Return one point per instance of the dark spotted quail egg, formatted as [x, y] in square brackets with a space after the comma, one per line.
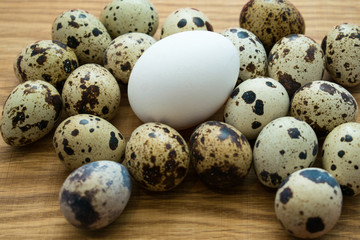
[341, 151]
[91, 89]
[342, 49]
[324, 105]
[296, 60]
[308, 203]
[124, 16]
[254, 103]
[221, 154]
[47, 60]
[284, 146]
[157, 156]
[30, 112]
[253, 58]
[123, 52]
[94, 195]
[82, 32]
[185, 19]
[85, 138]
[271, 20]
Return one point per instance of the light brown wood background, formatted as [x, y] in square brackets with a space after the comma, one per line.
[30, 177]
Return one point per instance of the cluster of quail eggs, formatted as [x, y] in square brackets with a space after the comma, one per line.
[273, 119]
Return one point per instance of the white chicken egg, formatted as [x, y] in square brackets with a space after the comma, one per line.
[184, 78]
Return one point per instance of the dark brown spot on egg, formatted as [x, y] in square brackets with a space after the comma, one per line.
[81, 207]
[258, 109]
[251, 67]
[209, 27]
[286, 195]
[314, 224]
[113, 142]
[310, 54]
[255, 125]
[327, 88]
[152, 175]
[288, 82]
[347, 190]
[235, 93]
[68, 150]
[72, 42]
[96, 32]
[89, 99]
[274, 178]
[198, 22]
[125, 67]
[58, 26]
[221, 177]
[182, 23]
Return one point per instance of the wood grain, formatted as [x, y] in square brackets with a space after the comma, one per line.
[31, 176]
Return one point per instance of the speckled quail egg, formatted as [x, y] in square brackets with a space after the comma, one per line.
[94, 195]
[342, 49]
[254, 103]
[30, 112]
[82, 32]
[221, 154]
[123, 52]
[91, 89]
[124, 16]
[324, 105]
[340, 156]
[85, 138]
[284, 146]
[47, 60]
[253, 58]
[271, 20]
[185, 19]
[296, 60]
[308, 203]
[157, 156]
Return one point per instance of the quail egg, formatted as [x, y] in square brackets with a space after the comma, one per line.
[341, 156]
[30, 112]
[342, 49]
[185, 19]
[91, 89]
[47, 60]
[82, 32]
[124, 16]
[296, 60]
[254, 103]
[123, 52]
[253, 58]
[85, 138]
[271, 20]
[94, 195]
[221, 154]
[284, 146]
[308, 203]
[157, 156]
[324, 105]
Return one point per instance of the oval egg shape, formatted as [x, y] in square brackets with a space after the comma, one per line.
[183, 79]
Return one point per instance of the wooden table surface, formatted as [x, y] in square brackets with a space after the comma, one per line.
[31, 176]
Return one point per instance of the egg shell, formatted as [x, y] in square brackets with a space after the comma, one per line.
[91, 89]
[85, 138]
[184, 85]
[221, 154]
[30, 112]
[340, 156]
[324, 105]
[341, 47]
[123, 52]
[252, 53]
[94, 195]
[47, 60]
[296, 60]
[308, 203]
[185, 19]
[254, 103]
[125, 16]
[157, 156]
[284, 146]
[271, 20]
[82, 32]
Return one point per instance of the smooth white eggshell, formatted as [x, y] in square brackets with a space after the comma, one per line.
[183, 79]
